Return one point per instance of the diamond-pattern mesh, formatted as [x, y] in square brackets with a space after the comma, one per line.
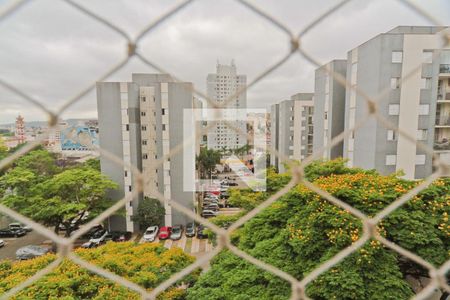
[298, 287]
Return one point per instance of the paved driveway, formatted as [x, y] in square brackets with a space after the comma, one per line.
[12, 244]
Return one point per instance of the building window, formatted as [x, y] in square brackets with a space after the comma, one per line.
[143, 113]
[424, 109]
[164, 127]
[422, 134]
[425, 83]
[129, 188]
[144, 128]
[420, 159]
[397, 57]
[127, 127]
[143, 99]
[391, 160]
[394, 109]
[144, 156]
[391, 135]
[163, 111]
[144, 142]
[126, 173]
[326, 116]
[395, 83]
[427, 57]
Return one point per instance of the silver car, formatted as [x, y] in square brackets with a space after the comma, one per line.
[150, 234]
[176, 232]
[30, 251]
[2, 243]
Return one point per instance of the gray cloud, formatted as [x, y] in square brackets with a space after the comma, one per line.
[50, 50]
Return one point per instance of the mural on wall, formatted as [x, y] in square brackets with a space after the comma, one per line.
[79, 138]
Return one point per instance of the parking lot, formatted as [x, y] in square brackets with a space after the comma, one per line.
[12, 244]
[192, 245]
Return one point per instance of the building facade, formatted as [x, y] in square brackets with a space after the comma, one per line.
[329, 108]
[141, 122]
[222, 85]
[292, 129]
[377, 66]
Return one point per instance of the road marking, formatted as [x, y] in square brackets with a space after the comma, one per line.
[195, 245]
[208, 247]
[168, 244]
[182, 243]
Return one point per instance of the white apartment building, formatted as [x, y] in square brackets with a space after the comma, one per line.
[292, 129]
[419, 106]
[220, 87]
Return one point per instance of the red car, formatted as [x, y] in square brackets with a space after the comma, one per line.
[164, 233]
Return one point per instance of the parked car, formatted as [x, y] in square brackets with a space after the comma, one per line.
[117, 236]
[150, 234]
[99, 236]
[232, 184]
[190, 230]
[164, 233]
[6, 232]
[207, 202]
[212, 206]
[89, 245]
[176, 232]
[201, 232]
[209, 213]
[2, 243]
[30, 251]
[90, 232]
[20, 226]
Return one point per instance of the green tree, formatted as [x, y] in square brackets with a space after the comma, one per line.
[93, 163]
[301, 230]
[149, 212]
[40, 162]
[3, 148]
[206, 161]
[63, 198]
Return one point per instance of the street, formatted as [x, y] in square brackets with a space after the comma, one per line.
[12, 244]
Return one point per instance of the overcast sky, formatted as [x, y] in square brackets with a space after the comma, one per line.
[50, 50]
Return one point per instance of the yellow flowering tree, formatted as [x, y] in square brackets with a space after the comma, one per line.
[302, 230]
[145, 264]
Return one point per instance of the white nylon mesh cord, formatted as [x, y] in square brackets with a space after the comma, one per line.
[65, 245]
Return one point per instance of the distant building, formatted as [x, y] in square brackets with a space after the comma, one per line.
[141, 122]
[419, 106]
[292, 129]
[20, 130]
[220, 86]
[329, 108]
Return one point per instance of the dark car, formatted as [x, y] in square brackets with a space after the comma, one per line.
[190, 230]
[8, 232]
[232, 184]
[91, 232]
[118, 236]
[201, 234]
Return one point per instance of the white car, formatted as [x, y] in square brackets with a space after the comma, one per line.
[99, 237]
[151, 233]
[20, 226]
[2, 243]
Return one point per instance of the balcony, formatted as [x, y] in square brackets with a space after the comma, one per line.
[444, 69]
[442, 145]
[443, 97]
[443, 121]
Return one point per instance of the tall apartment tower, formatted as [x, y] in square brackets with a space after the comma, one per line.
[292, 128]
[140, 122]
[413, 106]
[220, 86]
[329, 108]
